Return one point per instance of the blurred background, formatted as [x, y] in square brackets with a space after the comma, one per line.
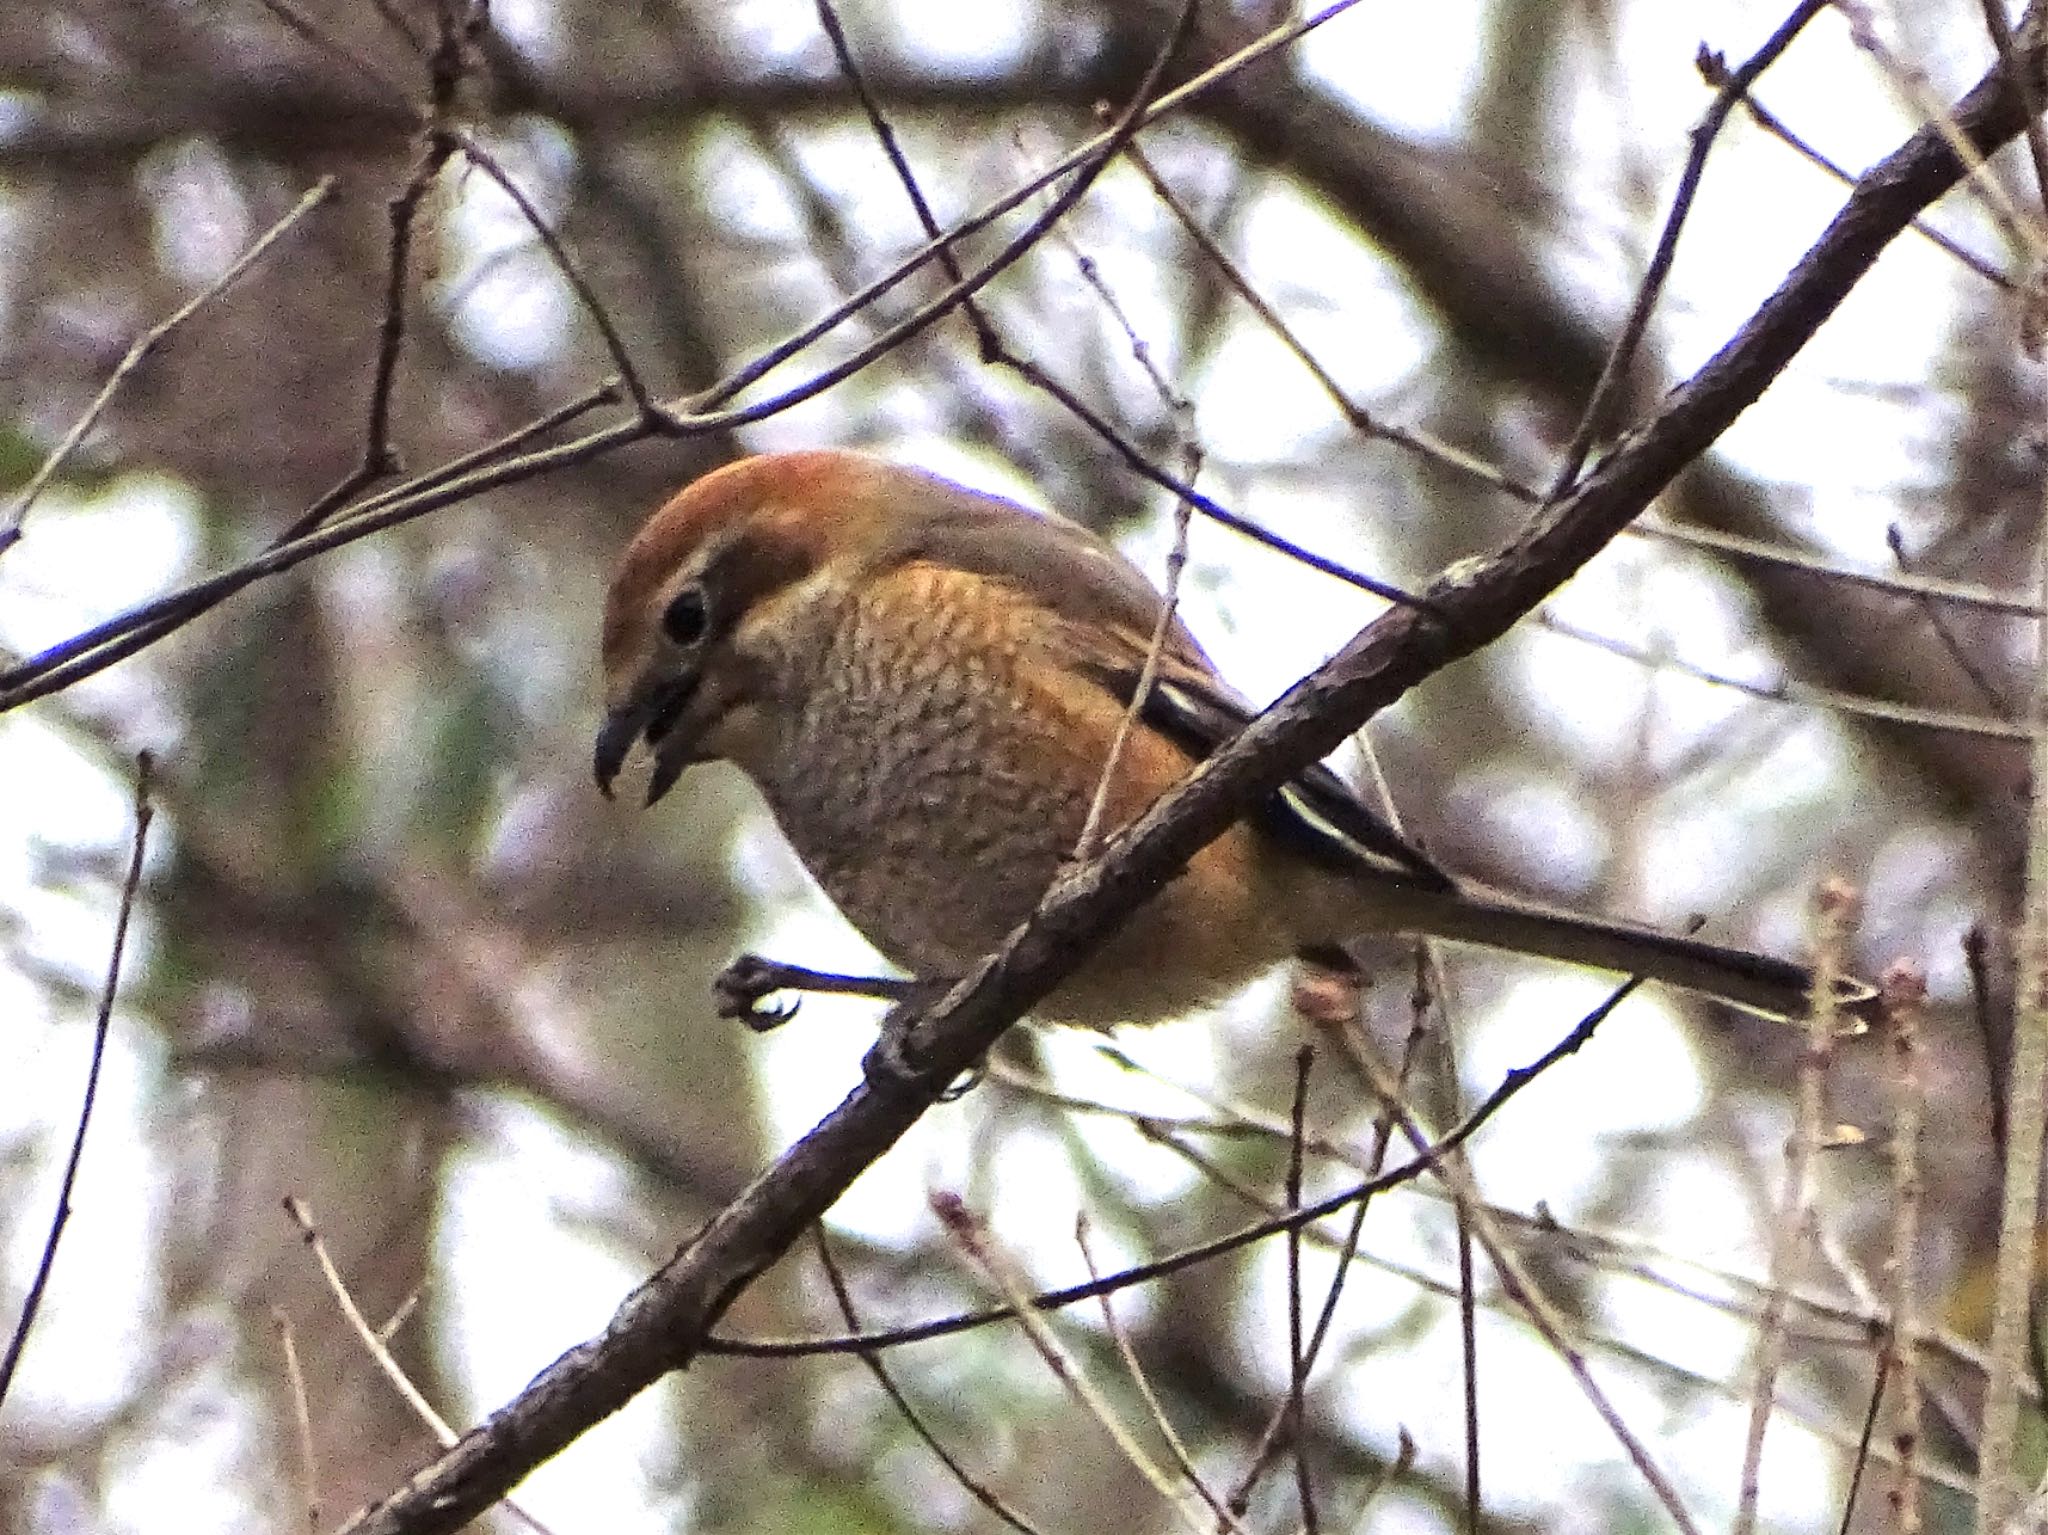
[396, 958]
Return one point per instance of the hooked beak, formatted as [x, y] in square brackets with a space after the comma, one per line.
[650, 720]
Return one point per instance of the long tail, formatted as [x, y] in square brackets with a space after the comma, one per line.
[1778, 988]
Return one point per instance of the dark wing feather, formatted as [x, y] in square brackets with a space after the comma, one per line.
[1315, 812]
[1107, 612]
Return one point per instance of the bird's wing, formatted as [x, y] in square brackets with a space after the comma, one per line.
[1053, 561]
[1316, 812]
[1105, 612]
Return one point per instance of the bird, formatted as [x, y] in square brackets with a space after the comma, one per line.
[925, 682]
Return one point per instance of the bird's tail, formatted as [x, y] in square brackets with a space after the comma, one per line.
[1761, 983]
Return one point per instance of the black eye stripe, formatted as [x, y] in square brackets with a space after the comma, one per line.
[687, 618]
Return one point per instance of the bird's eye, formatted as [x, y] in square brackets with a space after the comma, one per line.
[687, 618]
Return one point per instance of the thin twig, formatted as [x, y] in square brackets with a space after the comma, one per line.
[1969, 594]
[1622, 355]
[996, 351]
[1297, 1352]
[302, 1418]
[373, 1343]
[1371, 1165]
[1795, 1213]
[1468, 1358]
[394, 1324]
[1089, 843]
[1916, 95]
[1611, 1252]
[1713, 68]
[1429, 448]
[2026, 1122]
[1444, 455]
[511, 444]
[1519, 1283]
[1945, 635]
[380, 459]
[1609, 1342]
[1177, 408]
[1261, 47]
[972, 1485]
[1905, 1003]
[324, 40]
[2000, 28]
[885, 135]
[93, 650]
[446, 64]
[103, 1020]
[1856, 1327]
[1866, 1441]
[622, 359]
[1802, 694]
[137, 354]
[1120, 1339]
[968, 1234]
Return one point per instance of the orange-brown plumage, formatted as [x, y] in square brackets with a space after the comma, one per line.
[925, 682]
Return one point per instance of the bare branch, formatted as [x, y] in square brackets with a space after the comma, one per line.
[148, 342]
[145, 812]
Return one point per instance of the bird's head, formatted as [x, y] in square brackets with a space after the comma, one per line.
[702, 572]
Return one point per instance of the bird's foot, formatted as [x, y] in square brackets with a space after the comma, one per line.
[743, 988]
[896, 1061]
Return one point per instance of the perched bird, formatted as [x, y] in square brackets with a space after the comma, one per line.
[925, 682]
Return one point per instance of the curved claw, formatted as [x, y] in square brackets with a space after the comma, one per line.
[766, 1020]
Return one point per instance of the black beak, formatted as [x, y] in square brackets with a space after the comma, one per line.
[615, 737]
[651, 720]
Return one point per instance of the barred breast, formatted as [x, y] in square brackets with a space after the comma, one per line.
[962, 769]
